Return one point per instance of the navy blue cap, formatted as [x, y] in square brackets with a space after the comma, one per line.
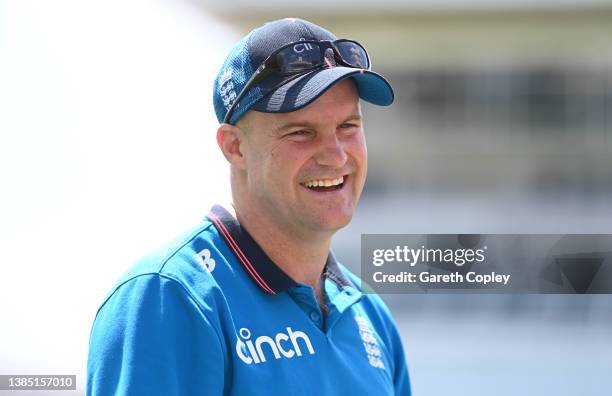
[252, 50]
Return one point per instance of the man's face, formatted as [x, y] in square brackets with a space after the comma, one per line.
[305, 170]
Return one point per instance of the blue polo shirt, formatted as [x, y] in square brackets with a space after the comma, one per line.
[211, 314]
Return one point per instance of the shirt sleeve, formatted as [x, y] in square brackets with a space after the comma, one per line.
[393, 340]
[401, 381]
[151, 338]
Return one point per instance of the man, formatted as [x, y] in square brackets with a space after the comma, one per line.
[252, 301]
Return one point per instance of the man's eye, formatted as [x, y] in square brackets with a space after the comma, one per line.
[299, 133]
[349, 127]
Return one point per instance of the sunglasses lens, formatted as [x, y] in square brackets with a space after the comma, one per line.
[298, 57]
[353, 54]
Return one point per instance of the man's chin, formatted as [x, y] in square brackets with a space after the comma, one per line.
[330, 222]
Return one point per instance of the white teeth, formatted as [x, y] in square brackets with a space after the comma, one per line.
[325, 182]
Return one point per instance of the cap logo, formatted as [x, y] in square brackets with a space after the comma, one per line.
[226, 88]
[299, 48]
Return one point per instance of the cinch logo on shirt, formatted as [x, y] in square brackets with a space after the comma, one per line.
[285, 345]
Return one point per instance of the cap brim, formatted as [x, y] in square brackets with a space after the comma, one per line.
[305, 89]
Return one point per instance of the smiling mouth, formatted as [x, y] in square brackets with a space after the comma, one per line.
[323, 185]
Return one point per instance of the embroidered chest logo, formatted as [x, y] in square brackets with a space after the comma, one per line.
[205, 260]
[369, 342]
[280, 346]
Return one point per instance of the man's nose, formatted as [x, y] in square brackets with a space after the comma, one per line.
[331, 152]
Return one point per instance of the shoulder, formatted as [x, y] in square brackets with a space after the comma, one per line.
[159, 312]
[184, 265]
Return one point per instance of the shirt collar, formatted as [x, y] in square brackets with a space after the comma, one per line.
[262, 270]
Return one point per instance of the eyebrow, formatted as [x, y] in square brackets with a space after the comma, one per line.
[354, 117]
[290, 125]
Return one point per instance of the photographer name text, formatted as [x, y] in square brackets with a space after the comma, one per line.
[455, 277]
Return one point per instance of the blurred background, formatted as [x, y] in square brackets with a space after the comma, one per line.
[502, 124]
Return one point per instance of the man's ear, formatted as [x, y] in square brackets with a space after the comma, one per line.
[229, 139]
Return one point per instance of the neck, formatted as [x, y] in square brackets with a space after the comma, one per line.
[303, 259]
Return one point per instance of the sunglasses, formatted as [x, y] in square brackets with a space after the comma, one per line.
[297, 58]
